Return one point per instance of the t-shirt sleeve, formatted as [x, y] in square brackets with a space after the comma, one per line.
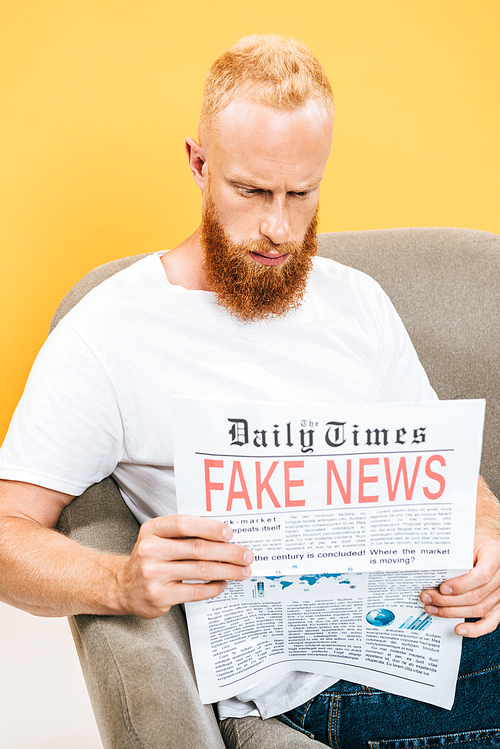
[67, 431]
[401, 375]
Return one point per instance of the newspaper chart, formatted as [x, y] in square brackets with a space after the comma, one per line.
[350, 510]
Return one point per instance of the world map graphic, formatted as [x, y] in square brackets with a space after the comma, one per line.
[310, 579]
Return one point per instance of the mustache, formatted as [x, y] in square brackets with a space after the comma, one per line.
[265, 246]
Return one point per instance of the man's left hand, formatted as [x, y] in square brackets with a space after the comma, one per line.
[473, 595]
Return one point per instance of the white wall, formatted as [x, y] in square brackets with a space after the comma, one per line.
[43, 699]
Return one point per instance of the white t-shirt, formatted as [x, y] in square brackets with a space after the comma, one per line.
[97, 401]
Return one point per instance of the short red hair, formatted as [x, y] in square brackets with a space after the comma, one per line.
[271, 69]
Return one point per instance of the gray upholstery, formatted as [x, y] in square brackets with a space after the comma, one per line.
[131, 664]
[445, 285]
[139, 673]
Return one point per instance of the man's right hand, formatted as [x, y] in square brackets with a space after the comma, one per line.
[48, 574]
[170, 552]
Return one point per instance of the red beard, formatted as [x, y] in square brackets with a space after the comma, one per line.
[247, 289]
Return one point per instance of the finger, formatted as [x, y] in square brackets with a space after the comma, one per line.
[479, 583]
[472, 604]
[487, 596]
[199, 548]
[479, 628]
[176, 593]
[486, 568]
[184, 549]
[191, 592]
[185, 526]
[480, 576]
[473, 598]
[456, 612]
[203, 570]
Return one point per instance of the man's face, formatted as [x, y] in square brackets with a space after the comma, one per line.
[260, 184]
[249, 289]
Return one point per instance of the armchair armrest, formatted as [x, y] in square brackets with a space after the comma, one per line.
[139, 673]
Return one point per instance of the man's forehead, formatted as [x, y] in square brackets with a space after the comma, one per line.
[253, 141]
[247, 116]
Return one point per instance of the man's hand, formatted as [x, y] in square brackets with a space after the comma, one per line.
[48, 574]
[473, 595]
[177, 548]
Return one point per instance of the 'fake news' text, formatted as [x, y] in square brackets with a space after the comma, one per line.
[237, 485]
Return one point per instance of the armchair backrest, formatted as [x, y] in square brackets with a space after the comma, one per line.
[444, 284]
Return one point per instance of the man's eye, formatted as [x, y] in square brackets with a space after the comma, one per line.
[250, 190]
[300, 194]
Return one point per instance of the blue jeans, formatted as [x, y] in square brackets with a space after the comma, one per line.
[350, 716]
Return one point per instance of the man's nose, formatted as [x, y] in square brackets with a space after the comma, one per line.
[274, 223]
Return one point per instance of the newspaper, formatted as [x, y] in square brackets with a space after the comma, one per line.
[350, 510]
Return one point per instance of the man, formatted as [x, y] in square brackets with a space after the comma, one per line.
[222, 315]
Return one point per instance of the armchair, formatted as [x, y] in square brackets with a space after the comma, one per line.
[139, 673]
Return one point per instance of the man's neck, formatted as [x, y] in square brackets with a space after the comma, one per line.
[183, 265]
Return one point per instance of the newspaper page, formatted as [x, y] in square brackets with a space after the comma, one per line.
[350, 510]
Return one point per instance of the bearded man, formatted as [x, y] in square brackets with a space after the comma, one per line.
[240, 309]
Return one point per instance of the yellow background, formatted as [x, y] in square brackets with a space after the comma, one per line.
[96, 97]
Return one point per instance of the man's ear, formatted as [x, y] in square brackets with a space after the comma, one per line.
[197, 161]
